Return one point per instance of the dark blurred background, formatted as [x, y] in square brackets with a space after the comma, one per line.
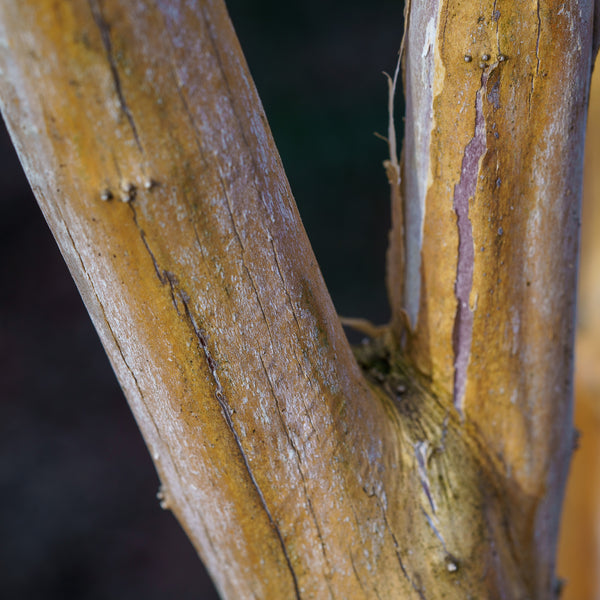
[78, 512]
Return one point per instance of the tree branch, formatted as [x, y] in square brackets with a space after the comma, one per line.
[495, 96]
[201, 281]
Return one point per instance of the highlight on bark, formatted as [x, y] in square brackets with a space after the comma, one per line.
[428, 462]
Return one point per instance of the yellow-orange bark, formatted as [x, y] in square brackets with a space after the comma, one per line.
[496, 102]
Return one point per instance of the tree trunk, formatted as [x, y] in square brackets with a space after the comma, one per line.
[436, 471]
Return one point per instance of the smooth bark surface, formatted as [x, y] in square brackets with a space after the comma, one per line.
[293, 473]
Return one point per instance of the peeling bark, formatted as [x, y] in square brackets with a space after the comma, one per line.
[464, 190]
[429, 474]
[499, 214]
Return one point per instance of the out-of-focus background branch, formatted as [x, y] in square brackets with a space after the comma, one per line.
[579, 553]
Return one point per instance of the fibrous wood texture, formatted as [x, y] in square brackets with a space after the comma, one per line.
[148, 150]
[496, 100]
[294, 474]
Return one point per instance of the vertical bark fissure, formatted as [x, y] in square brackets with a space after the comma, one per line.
[438, 534]
[298, 328]
[496, 19]
[420, 451]
[230, 97]
[226, 412]
[149, 412]
[418, 590]
[354, 570]
[228, 204]
[106, 41]
[397, 549]
[537, 55]
[221, 399]
[270, 238]
[302, 476]
[157, 269]
[464, 190]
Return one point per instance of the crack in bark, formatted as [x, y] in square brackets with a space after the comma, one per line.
[302, 477]
[166, 277]
[537, 54]
[221, 178]
[104, 29]
[260, 304]
[226, 411]
[230, 97]
[435, 530]
[360, 583]
[236, 232]
[201, 151]
[285, 287]
[405, 573]
[135, 380]
[173, 285]
[145, 242]
[359, 530]
[420, 451]
[496, 18]
[414, 586]
[464, 190]
[291, 304]
[388, 527]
